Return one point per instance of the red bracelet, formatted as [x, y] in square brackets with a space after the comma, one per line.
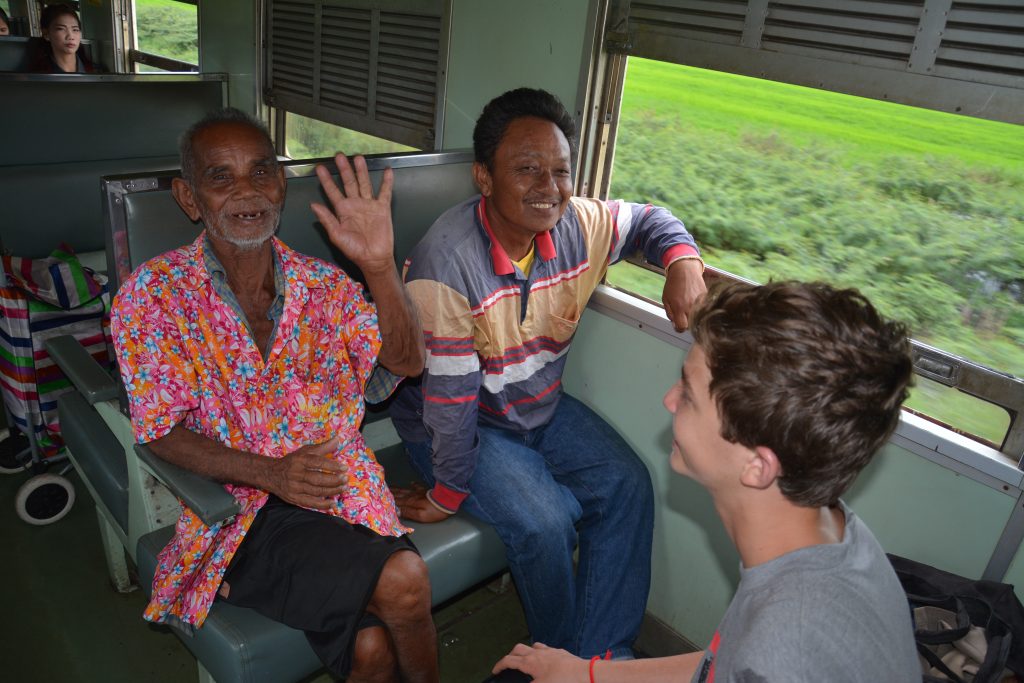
[607, 655]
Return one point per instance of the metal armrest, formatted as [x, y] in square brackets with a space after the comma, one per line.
[88, 376]
[203, 496]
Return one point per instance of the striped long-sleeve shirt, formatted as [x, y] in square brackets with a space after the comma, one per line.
[496, 338]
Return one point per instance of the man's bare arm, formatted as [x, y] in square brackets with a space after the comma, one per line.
[308, 476]
[360, 225]
[402, 351]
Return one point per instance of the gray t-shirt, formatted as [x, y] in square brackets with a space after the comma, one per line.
[832, 613]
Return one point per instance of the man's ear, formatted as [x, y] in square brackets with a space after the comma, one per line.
[761, 469]
[186, 199]
[482, 177]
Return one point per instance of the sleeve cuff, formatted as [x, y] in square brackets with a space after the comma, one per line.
[381, 385]
[686, 258]
[446, 499]
[677, 252]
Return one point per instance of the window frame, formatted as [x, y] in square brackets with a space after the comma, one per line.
[133, 56]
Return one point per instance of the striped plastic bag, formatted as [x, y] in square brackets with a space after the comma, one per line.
[46, 298]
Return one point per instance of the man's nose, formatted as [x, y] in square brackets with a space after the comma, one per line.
[546, 180]
[244, 186]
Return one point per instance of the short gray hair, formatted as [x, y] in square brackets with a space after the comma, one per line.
[186, 147]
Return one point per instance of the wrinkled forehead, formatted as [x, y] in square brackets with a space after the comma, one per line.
[233, 142]
[533, 135]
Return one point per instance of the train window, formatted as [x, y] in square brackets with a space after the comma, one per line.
[166, 36]
[308, 139]
[921, 210]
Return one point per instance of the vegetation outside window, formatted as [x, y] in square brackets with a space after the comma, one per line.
[166, 28]
[310, 139]
[922, 211]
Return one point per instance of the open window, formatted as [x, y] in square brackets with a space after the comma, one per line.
[920, 207]
[164, 36]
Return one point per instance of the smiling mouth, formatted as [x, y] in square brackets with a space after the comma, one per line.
[254, 216]
[542, 205]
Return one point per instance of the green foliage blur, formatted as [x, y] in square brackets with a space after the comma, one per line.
[311, 139]
[920, 210]
[167, 28]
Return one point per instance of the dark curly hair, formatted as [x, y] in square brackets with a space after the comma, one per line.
[505, 108]
[810, 371]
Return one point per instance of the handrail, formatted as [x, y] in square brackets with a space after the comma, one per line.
[161, 62]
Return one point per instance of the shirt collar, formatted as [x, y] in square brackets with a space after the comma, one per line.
[500, 260]
[219, 276]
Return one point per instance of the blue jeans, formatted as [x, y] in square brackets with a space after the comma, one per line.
[574, 480]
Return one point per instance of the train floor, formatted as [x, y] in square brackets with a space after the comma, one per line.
[62, 621]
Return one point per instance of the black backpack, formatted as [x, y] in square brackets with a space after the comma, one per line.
[990, 605]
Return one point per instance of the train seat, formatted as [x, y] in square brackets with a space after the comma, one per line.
[237, 644]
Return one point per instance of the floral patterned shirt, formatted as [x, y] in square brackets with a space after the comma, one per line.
[186, 357]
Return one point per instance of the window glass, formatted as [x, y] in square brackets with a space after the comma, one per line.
[167, 28]
[922, 211]
[310, 139]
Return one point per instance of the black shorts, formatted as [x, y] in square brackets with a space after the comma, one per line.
[313, 572]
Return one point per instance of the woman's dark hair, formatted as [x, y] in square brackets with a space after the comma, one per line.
[51, 12]
[515, 104]
[4, 18]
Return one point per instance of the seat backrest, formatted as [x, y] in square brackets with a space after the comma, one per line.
[14, 53]
[65, 132]
[143, 220]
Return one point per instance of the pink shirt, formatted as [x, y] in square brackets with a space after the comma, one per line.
[186, 357]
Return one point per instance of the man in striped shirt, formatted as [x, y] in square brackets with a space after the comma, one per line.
[500, 282]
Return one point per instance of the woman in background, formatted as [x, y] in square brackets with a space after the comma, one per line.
[5, 24]
[61, 53]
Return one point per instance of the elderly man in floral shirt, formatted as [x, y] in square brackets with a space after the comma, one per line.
[248, 362]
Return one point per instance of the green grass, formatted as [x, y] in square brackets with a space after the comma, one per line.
[922, 211]
[868, 129]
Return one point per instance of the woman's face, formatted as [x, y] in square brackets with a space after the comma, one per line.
[64, 34]
[5, 30]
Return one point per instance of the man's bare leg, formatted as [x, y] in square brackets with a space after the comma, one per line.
[373, 658]
[402, 601]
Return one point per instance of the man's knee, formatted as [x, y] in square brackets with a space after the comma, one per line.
[403, 587]
[373, 654]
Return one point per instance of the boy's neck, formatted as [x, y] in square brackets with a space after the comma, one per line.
[769, 526]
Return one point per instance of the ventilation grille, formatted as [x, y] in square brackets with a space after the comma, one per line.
[718, 21]
[346, 41]
[291, 33]
[986, 37]
[860, 31]
[407, 66]
[371, 65]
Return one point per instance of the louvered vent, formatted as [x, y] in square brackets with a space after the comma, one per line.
[860, 31]
[345, 49]
[291, 33]
[407, 65]
[370, 65]
[985, 38]
[718, 21]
